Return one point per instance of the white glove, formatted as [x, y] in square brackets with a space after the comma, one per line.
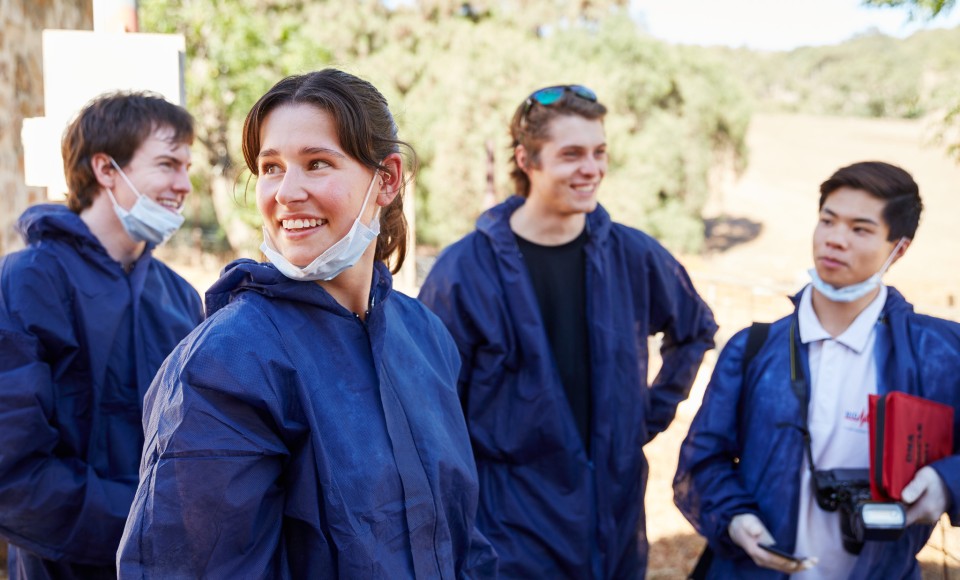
[926, 497]
[748, 532]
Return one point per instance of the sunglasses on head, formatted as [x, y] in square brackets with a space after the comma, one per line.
[550, 95]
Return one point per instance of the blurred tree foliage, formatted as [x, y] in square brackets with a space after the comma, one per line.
[946, 97]
[454, 72]
[871, 75]
[918, 8]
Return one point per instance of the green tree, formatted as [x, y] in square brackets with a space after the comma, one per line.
[949, 132]
[918, 8]
[236, 49]
[453, 72]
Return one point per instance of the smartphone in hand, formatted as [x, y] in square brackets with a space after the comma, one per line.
[783, 553]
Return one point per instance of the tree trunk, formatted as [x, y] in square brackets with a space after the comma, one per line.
[240, 235]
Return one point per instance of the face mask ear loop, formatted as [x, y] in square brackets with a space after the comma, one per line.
[267, 239]
[113, 199]
[366, 198]
[891, 257]
[125, 178]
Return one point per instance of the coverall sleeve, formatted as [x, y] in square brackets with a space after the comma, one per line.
[443, 292]
[210, 501]
[707, 488]
[688, 328]
[52, 503]
[940, 352]
[948, 468]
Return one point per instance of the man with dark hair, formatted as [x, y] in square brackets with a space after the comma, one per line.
[87, 316]
[551, 305]
[796, 402]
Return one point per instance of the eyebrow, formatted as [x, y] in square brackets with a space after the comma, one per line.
[864, 220]
[173, 158]
[305, 151]
[577, 148]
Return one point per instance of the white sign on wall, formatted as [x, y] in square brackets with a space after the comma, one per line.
[79, 65]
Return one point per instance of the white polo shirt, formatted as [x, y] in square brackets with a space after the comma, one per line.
[843, 372]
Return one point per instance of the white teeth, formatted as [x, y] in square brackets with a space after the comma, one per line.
[299, 224]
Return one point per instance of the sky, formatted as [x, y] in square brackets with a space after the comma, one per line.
[774, 24]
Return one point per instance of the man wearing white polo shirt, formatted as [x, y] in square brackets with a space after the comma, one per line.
[795, 401]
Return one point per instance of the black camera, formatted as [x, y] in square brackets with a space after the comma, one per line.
[861, 518]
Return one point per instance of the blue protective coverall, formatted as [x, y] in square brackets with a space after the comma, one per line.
[549, 509]
[744, 451]
[80, 341]
[287, 438]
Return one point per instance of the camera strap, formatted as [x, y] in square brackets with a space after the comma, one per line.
[798, 384]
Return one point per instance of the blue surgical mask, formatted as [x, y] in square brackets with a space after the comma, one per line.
[335, 259]
[853, 291]
[147, 221]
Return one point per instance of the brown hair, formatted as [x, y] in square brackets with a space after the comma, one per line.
[366, 131]
[888, 183]
[530, 127]
[116, 124]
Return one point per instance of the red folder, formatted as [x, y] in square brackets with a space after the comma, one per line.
[906, 433]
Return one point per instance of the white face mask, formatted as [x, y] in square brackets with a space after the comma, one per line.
[338, 257]
[147, 221]
[853, 291]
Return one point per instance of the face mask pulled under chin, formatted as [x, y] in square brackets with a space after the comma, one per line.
[147, 221]
[853, 291]
[334, 260]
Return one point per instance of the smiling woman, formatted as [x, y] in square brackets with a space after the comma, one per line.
[317, 223]
[311, 426]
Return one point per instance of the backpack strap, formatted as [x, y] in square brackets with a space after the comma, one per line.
[755, 339]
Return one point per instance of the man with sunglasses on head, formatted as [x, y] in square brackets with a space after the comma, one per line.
[551, 304]
[87, 316]
[793, 402]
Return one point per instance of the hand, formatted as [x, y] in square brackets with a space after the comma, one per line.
[748, 532]
[926, 497]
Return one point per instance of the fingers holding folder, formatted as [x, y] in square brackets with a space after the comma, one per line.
[926, 496]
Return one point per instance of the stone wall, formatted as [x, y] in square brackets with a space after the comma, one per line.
[21, 93]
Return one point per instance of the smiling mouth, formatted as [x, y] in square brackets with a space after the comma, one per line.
[301, 224]
[170, 204]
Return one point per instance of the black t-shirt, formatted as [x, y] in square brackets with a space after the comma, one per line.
[558, 274]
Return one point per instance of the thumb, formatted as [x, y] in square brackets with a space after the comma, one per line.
[915, 488]
[753, 526]
[757, 530]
